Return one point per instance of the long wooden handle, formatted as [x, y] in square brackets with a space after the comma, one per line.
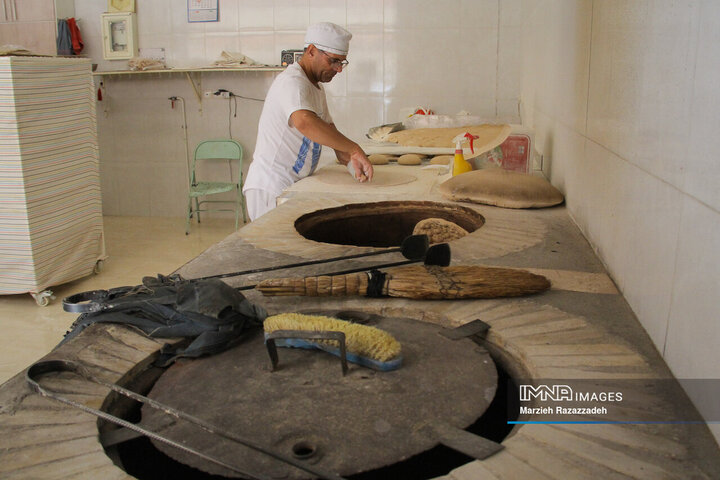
[417, 282]
[321, 286]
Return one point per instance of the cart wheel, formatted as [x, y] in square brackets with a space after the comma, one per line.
[98, 266]
[43, 298]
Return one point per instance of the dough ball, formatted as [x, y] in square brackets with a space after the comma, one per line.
[502, 188]
[379, 158]
[410, 159]
[442, 160]
[439, 230]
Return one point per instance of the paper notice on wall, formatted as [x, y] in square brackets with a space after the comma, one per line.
[203, 11]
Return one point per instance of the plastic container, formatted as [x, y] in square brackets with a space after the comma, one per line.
[460, 165]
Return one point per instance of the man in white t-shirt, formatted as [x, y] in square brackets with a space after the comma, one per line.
[295, 123]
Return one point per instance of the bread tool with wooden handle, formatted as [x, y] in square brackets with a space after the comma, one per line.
[425, 282]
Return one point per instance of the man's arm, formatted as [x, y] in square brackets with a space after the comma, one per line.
[347, 151]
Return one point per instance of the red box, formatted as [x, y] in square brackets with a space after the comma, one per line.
[516, 153]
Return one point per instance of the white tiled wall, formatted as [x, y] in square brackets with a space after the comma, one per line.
[449, 55]
[624, 98]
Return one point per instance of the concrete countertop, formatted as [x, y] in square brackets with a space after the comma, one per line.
[580, 329]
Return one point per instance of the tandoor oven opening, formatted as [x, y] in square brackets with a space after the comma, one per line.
[380, 224]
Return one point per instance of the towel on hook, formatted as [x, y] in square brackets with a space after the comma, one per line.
[64, 41]
[77, 41]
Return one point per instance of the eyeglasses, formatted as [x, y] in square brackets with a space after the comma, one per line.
[335, 62]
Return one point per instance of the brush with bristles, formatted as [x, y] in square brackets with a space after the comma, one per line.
[365, 345]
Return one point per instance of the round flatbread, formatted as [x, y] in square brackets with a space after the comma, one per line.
[439, 230]
[489, 136]
[502, 188]
[338, 175]
[410, 159]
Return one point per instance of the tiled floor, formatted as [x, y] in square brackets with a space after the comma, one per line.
[136, 247]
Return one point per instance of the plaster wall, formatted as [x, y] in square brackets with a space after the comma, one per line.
[623, 97]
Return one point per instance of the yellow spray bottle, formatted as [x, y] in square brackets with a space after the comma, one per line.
[460, 165]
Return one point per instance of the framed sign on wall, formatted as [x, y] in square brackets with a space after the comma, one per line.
[203, 11]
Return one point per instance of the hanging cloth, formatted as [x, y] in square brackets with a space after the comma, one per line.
[64, 41]
[77, 41]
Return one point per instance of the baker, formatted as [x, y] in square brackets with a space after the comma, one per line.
[295, 123]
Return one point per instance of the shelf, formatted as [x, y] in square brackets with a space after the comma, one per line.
[255, 68]
[188, 73]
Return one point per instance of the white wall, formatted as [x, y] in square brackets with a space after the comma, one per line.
[449, 55]
[64, 8]
[624, 97]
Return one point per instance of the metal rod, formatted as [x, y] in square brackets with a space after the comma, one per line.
[299, 264]
[345, 272]
[438, 254]
[408, 241]
[185, 136]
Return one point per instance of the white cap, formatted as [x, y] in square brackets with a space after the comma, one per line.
[328, 37]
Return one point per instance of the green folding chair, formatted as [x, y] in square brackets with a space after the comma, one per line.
[221, 149]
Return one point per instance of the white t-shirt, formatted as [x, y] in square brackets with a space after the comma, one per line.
[282, 154]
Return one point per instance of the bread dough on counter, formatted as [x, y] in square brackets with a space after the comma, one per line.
[441, 159]
[410, 159]
[503, 188]
[381, 158]
[489, 136]
[338, 175]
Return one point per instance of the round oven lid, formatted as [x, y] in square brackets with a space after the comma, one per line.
[307, 409]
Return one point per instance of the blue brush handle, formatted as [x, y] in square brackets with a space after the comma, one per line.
[385, 366]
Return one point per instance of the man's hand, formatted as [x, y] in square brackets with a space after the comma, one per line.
[361, 165]
[348, 152]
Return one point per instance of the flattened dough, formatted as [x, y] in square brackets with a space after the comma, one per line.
[490, 136]
[338, 175]
[410, 159]
[503, 188]
[441, 159]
